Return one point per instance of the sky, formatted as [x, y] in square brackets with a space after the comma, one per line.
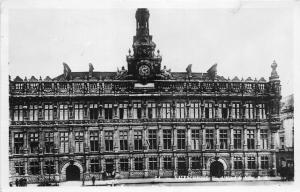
[243, 42]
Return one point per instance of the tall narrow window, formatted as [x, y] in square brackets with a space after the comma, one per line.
[18, 142]
[109, 141]
[48, 112]
[93, 111]
[124, 164]
[195, 110]
[137, 111]
[123, 111]
[223, 139]
[64, 142]
[95, 165]
[180, 110]
[33, 112]
[251, 163]
[209, 133]
[138, 142]
[167, 135]
[123, 140]
[18, 113]
[78, 111]
[138, 164]
[208, 110]
[249, 112]
[166, 110]
[195, 139]
[238, 163]
[223, 111]
[49, 142]
[34, 167]
[49, 167]
[235, 110]
[250, 139]
[94, 141]
[153, 163]
[152, 135]
[196, 163]
[264, 138]
[264, 161]
[167, 163]
[151, 110]
[237, 139]
[63, 112]
[20, 168]
[78, 141]
[108, 113]
[181, 139]
[34, 142]
[262, 111]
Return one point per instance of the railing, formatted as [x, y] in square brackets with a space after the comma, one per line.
[117, 87]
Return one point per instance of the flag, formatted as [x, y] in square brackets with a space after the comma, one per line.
[91, 68]
[189, 70]
[212, 71]
[67, 71]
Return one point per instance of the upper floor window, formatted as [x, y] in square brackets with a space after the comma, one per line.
[94, 141]
[18, 142]
[64, 142]
[180, 110]
[18, 113]
[48, 112]
[181, 139]
[208, 110]
[138, 142]
[166, 110]
[262, 111]
[123, 111]
[235, 110]
[79, 141]
[152, 139]
[223, 139]
[195, 110]
[34, 142]
[209, 139]
[93, 111]
[167, 135]
[195, 139]
[33, 112]
[223, 111]
[249, 112]
[123, 140]
[137, 111]
[264, 138]
[63, 112]
[108, 111]
[49, 142]
[109, 141]
[78, 111]
[250, 139]
[151, 110]
[237, 139]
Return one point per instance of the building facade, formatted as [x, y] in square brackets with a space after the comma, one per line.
[143, 121]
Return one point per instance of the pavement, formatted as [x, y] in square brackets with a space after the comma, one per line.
[175, 181]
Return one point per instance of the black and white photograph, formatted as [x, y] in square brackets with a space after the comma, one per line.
[125, 94]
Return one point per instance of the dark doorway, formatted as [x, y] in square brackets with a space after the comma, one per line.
[182, 169]
[216, 169]
[72, 173]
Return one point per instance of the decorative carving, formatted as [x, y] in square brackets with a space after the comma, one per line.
[67, 72]
[121, 74]
[165, 73]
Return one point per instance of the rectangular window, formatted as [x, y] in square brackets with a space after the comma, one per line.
[166, 111]
[195, 111]
[95, 165]
[249, 112]
[78, 111]
[153, 163]
[49, 167]
[18, 113]
[49, 142]
[124, 164]
[138, 142]
[223, 139]
[18, 142]
[34, 142]
[138, 164]
[78, 141]
[123, 111]
[152, 134]
[238, 163]
[167, 163]
[264, 161]
[94, 141]
[108, 111]
[109, 141]
[151, 110]
[208, 110]
[64, 142]
[235, 110]
[181, 139]
[48, 112]
[33, 112]
[167, 135]
[63, 112]
[250, 139]
[209, 133]
[237, 139]
[180, 110]
[251, 163]
[123, 140]
[195, 139]
[20, 168]
[196, 163]
[264, 138]
[137, 111]
[34, 167]
[223, 111]
[94, 111]
[262, 111]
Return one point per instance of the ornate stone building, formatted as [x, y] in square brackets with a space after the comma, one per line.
[143, 121]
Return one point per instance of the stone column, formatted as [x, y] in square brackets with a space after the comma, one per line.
[161, 163]
[160, 138]
[203, 138]
[56, 166]
[259, 162]
[276, 140]
[26, 148]
[130, 139]
[56, 139]
[174, 130]
[189, 166]
[101, 141]
[217, 137]
[258, 140]
[231, 165]
[145, 138]
[146, 166]
[86, 139]
[272, 140]
[245, 136]
[116, 139]
[175, 166]
[71, 141]
[231, 137]
[189, 140]
[87, 165]
[42, 166]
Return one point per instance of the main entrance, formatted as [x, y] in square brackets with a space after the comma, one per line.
[72, 173]
[216, 169]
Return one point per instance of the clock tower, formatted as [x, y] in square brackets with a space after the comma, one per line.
[144, 64]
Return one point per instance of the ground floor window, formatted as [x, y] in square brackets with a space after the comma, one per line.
[196, 163]
[251, 163]
[138, 163]
[20, 168]
[34, 168]
[264, 162]
[124, 164]
[238, 163]
[167, 163]
[153, 163]
[95, 165]
[49, 167]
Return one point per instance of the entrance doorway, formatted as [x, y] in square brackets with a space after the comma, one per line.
[72, 173]
[216, 169]
[182, 169]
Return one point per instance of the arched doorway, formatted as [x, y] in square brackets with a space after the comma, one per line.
[72, 173]
[216, 169]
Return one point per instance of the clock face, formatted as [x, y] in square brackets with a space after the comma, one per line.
[144, 70]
